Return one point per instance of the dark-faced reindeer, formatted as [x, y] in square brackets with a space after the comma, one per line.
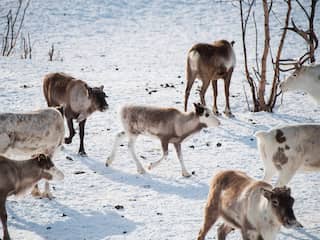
[31, 133]
[167, 124]
[208, 63]
[253, 207]
[17, 177]
[79, 101]
[305, 78]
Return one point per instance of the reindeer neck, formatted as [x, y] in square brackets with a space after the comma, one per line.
[189, 125]
[29, 173]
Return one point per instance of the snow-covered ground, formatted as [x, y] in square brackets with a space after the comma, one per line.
[132, 48]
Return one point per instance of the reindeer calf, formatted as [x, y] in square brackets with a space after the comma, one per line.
[168, 124]
[16, 177]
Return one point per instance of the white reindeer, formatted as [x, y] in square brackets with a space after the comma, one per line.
[168, 124]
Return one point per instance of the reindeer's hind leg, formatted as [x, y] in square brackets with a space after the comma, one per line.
[227, 80]
[179, 154]
[204, 87]
[117, 140]
[164, 144]
[132, 140]
[191, 76]
[223, 231]
[4, 217]
[215, 95]
[211, 215]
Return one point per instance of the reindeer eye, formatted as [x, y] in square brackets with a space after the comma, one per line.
[275, 203]
[207, 114]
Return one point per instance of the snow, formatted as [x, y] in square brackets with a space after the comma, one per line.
[147, 42]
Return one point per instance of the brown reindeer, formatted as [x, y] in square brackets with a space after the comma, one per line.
[79, 101]
[16, 177]
[169, 125]
[210, 62]
[249, 205]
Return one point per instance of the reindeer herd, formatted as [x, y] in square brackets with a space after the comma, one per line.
[255, 207]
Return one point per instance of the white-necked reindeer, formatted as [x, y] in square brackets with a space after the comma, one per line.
[253, 207]
[167, 124]
[306, 78]
[208, 63]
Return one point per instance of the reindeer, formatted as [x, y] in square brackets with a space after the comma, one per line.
[249, 205]
[306, 78]
[79, 101]
[16, 177]
[210, 62]
[31, 133]
[167, 124]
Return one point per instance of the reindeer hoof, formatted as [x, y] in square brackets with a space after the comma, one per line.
[186, 174]
[82, 153]
[228, 114]
[47, 195]
[217, 113]
[67, 140]
[141, 171]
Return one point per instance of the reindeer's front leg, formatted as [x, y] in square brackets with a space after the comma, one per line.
[132, 140]
[164, 144]
[81, 134]
[179, 154]
[4, 217]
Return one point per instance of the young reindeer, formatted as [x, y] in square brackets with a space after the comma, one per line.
[306, 78]
[16, 177]
[249, 205]
[167, 124]
[208, 63]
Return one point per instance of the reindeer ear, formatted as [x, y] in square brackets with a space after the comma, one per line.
[232, 43]
[101, 87]
[266, 193]
[42, 157]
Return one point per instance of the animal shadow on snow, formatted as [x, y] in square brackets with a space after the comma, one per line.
[73, 224]
[185, 188]
[308, 236]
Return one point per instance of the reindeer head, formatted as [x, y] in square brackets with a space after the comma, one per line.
[205, 115]
[298, 79]
[281, 204]
[98, 96]
[49, 170]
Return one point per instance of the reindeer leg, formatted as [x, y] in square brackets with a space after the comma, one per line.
[47, 193]
[204, 87]
[211, 215]
[35, 191]
[179, 154]
[215, 95]
[191, 76]
[117, 140]
[4, 217]
[227, 80]
[223, 231]
[72, 132]
[164, 144]
[132, 140]
[81, 133]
